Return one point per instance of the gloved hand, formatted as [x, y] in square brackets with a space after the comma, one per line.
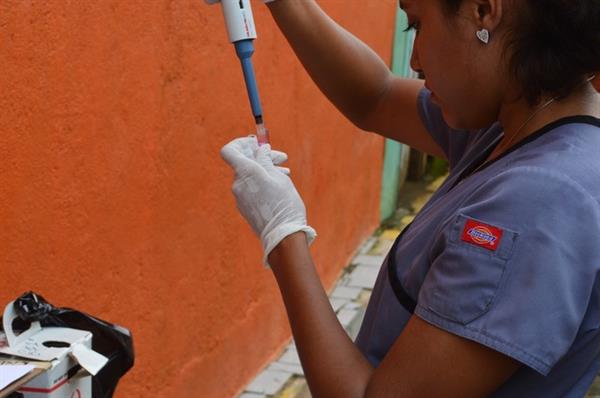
[264, 193]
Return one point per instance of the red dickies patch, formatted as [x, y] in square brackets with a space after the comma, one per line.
[481, 234]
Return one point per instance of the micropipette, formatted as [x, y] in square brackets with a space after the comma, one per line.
[241, 31]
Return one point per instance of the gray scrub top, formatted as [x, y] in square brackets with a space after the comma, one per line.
[508, 256]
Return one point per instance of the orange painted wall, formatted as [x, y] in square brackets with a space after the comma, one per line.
[114, 200]
[597, 83]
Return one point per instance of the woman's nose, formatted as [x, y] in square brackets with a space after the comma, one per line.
[415, 64]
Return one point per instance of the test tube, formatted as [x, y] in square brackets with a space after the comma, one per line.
[262, 133]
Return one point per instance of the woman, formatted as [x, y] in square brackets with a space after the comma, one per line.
[493, 290]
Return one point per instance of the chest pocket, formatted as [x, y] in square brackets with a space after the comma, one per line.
[463, 276]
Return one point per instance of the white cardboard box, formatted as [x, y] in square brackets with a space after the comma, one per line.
[72, 360]
[57, 382]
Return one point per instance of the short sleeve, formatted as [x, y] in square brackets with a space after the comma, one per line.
[452, 142]
[515, 267]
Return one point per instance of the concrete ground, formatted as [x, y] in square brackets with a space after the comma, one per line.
[284, 378]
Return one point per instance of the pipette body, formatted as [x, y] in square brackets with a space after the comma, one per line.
[242, 32]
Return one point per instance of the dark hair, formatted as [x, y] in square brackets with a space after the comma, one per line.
[553, 45]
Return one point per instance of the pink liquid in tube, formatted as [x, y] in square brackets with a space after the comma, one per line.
[262, 134]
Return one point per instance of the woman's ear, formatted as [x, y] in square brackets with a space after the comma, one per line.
[487, 14]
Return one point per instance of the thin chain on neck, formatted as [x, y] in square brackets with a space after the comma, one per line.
[538, 110]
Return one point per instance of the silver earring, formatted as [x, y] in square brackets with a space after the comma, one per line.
[484, 35]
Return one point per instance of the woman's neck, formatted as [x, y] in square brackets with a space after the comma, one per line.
[520, 120]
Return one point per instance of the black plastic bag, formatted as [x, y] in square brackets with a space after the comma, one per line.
[112, 341]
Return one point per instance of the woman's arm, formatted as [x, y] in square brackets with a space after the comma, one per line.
[333, 366]
[424, 362]
[353, 76]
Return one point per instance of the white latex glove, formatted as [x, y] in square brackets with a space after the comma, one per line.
[264, 193]
[249, 145]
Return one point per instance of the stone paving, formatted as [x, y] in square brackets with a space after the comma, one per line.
[284, 378]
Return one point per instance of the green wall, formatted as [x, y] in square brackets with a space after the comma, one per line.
[396, 154]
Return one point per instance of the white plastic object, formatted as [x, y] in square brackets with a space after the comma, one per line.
[238, 19]
[31, 343]
[14, 340]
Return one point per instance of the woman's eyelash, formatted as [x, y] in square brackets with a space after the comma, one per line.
[412, 25]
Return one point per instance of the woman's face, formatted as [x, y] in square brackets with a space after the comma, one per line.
[465, 75]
